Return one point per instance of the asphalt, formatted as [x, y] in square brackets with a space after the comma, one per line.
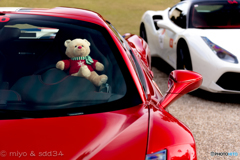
[212, 118]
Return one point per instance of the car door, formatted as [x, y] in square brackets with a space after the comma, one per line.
[168, 37]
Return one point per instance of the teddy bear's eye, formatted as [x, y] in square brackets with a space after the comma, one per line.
[82, 45]
[75, 46]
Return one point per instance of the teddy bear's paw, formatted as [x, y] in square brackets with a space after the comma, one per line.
[103, 79]
[75, 74]
[99, 66]
[85, 71]
[60, 65]
[84, 67]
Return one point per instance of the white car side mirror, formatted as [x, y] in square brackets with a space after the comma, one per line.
[167, 24]
[164, 24]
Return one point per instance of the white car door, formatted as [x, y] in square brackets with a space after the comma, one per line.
[174, 23]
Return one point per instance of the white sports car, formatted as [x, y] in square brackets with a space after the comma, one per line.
[198, 35]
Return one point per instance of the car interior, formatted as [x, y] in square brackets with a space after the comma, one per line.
[29, 73]
[215, 16]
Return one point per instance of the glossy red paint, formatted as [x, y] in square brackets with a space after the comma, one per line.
[64, 12]
[165, 130]
[137, 44]
[184, 151]
[180, 82]
[124, 134]
[111, 135]
[154, 95]
[140, 47]
[72, 13]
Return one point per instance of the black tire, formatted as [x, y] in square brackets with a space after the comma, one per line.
[183, 56]
[143, 33]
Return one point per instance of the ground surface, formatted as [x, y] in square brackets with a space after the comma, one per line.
[215, 125]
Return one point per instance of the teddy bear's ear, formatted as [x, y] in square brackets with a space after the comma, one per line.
[67, 42]
[87, 42]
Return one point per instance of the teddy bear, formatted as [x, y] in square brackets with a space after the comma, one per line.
[80, 63]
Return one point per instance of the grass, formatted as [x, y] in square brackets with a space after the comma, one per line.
[124, 15]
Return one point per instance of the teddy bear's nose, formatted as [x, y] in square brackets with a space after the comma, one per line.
[79, 47]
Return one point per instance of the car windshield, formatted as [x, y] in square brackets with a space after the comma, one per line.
[32, 86]
[212, 15]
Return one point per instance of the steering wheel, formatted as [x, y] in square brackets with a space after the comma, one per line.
[42, 70]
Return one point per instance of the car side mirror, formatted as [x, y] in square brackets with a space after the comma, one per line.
[162, 24]
[180, 82]
[166, 23]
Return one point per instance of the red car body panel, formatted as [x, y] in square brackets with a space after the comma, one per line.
[124, 134]
[106, 135]
[165, 131]
[182, 152]
[141, 47]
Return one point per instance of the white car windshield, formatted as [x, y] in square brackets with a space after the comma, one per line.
[215, 15]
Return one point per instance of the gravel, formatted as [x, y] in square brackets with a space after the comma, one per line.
[212, 118]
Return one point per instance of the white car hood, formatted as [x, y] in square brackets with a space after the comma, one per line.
[228, 39]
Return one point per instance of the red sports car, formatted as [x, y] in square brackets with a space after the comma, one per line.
[46, 113]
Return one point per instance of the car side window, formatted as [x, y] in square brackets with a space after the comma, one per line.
[136, 65]
[178, 14]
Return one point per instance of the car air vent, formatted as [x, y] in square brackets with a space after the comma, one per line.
[155, 19]
[229, 81]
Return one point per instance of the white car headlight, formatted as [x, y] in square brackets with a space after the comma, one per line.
[161, 155]
[220, 52]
